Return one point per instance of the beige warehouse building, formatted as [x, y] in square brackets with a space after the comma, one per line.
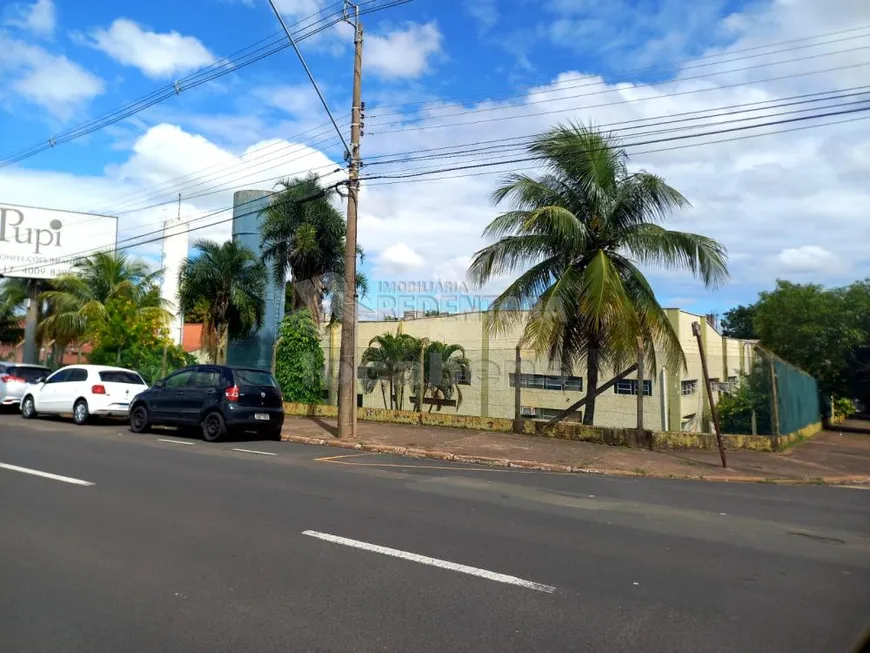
[674, 399]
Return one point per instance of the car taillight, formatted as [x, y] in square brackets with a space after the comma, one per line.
[233, 393]
[98, 390]
[8, 378]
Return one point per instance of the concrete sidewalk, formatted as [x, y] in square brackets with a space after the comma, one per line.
[837, 456]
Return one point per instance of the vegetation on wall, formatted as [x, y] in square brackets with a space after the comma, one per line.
[392, 363]
[299, 361]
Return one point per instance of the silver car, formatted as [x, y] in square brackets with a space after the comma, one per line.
[15, 378]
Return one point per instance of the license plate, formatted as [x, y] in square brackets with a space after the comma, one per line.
[263, 417]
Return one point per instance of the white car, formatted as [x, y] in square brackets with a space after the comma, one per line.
[84, 391]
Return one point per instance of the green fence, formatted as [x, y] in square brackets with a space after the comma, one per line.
[797, 398]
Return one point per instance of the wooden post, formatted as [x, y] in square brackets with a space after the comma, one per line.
[754, 423]
[518, 407]
[640, 371]
[696, 330]
[775, 428]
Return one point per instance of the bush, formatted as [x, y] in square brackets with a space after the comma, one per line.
[146, 359]
[844, 407]
[299, 361]
[735, 409]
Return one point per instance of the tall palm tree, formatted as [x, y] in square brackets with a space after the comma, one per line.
[13, 297]
[443, 367]
[232, 281]
[304, 236]
[577, 234]
[388, 361]
[77, 301]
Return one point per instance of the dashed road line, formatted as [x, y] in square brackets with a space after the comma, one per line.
[432, 562]
[254, 451]
[48, 475]
[187, 444]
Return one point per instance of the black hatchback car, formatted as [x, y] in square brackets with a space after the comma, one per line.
[215, 398]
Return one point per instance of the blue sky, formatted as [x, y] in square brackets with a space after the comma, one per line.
[70, 61]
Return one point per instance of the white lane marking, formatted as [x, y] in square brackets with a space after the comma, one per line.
[259, 453]
[53, 477]
[433, 562]
[188, 444]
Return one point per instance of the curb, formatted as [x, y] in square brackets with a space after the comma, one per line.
[408, 452]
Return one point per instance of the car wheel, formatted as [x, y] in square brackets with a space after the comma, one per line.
[28, 408]
[274, 433]
[81, 412]
[139, 420]
[213, 427]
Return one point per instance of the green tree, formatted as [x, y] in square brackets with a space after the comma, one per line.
[738, 322]
[299, 361]
[444, 365]
[388, 361]
[823, 331]
[304, 237]
[137, 340]
[13, 298]
[576, 235]
[77, 302]
[232, 281]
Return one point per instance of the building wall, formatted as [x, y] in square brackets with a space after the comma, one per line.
[492, 362]
[256, 351]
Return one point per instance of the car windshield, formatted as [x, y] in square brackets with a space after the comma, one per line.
[254, 377]
[29, 374]
[120, 376]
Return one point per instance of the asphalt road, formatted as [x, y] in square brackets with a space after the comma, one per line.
[178, 545]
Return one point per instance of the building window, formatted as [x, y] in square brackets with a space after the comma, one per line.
[629, 387]
[548, 382]
[689, 387]
[463, 377]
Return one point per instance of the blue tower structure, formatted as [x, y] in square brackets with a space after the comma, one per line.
[249, 211]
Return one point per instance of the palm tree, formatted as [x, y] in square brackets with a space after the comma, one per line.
[577, 234]
[443, 367]
[231, 280]
[77, 301]
[13, 297]
[304, 236]
[388, 361]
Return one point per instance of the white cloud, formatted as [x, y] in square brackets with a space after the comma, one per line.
[400, 258]
[807, 259]
[299, 8]
[39, 18]
[403, 53]
[157, 55]
[485, 12]
[53, 82]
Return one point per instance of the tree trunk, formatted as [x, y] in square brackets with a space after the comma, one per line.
[591, 384]
[384, 395]
[222, 344]
[392, 394]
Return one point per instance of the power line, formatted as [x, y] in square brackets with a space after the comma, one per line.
[552, 85]
[571, 84]
[288, 145]
[650, 151]
[610, 104]
[219, 69]
[141, 239]
[681, 137]
[519, 143]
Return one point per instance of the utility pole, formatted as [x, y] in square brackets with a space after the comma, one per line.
[347, 354]
[696, 330]
[31, 353]
[640, 373]
[518, 426]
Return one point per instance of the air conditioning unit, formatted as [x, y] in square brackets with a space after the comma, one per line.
[527, 411]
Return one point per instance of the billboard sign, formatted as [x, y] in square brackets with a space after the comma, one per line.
[45, 243]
